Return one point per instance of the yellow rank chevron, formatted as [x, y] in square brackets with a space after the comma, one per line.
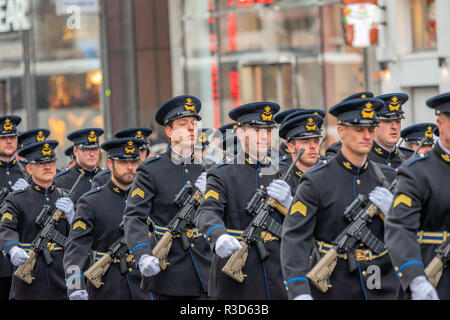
[79, 224]
[7, 215]
[138, 192]
[299, 207]
[213, 194]
[403, 198]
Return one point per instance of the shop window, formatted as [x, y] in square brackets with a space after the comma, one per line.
[423, 13]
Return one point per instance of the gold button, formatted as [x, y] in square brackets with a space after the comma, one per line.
[396, 269]
[400, 274]
[261, 187]
[48, 199]
[364, 273]
[389, 164]
[10, 182]
[7, 172]
[90, 180]
[186, 170]
[358, 181]
[260, 174]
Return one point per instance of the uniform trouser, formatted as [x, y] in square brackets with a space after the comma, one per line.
[5, 286]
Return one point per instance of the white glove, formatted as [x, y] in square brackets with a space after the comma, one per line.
[304, 297]
[280, 190]
[421, 289]
[79, 295]
[18, 256]
[149, 265]
[19, 184]
[226, 245]
[200, 183]
[382, 198]
[66, 206]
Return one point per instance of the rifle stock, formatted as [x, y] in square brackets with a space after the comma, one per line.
[95, 273]
[234, 265]
[322, 271]
[162, 248]
[434, 270]
[23, 272]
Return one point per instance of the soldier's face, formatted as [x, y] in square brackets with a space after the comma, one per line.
[311, 153]
[423, 150]
[358, 140]
[123, 171]
[443, 122]
[87, 157]
[257, 140]
[8, 145]
[43, 173]
[183, 132]
[388, 132]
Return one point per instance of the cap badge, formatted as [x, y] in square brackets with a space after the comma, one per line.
[202, 138]
[130, 147]
[46, 151]
[139, 135]
[7, 125]
[267, 114]
[40, 137]
[92, 137]
[429, 132]
[310, 125]
[368, 112]
[189, 106]
[394, 105]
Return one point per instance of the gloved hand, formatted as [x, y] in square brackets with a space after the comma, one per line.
[19, 184]
[280, 190]
[382, 198]
[422, 289]
[226, 245]
[304, 297]
[18, 256]
[200, 183]
[66, 206]
[149, 265]
[79, 295]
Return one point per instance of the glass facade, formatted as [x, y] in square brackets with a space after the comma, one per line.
[50, 74]
[290, 52]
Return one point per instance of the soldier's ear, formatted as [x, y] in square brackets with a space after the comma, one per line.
[169, 131]
[28, 169]
[341, 131]
[109, 162]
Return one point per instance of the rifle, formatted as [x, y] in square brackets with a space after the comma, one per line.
[3, 194]
[422, 141]
[47, 234]
[260, 207]
[434, 269]
[117, 250]
[360, 213]
[188, 199]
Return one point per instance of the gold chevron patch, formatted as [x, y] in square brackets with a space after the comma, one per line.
[446, 157]
[138, 192]
[79, 224]
[299, 207]
[403, 198]
[212, 194]
[7, 215]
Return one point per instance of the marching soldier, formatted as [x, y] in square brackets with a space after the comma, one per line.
[87, 153]
[156, 184]
[387, 135]
[303, 132]
[414, 134]
[96, 228]
[69, 153]
[18, 226]
[11, 178]
[222, 216]
[138, 133]
[280, 118]
[316, 215]
[419, 220]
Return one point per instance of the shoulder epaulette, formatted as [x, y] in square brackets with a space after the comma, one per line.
[416, 158]
[95, 190]
[62, 173]
[284, 164]
[20, 191]
[151, 160]
[103, 172]
[384, 167]
[319, 165]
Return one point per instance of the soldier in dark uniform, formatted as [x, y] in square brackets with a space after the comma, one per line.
[414, 134]
[138, 133]
[419, 220]
[387, 135]
[303, 132]
[155, 186]
[222, 216]
[69, 153]
[334, 148]
[316, 215]
[11, 175]
[280, 118]
[87, 153]
[96, 228]
[18, 226]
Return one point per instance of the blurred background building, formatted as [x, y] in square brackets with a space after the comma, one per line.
[70, 64]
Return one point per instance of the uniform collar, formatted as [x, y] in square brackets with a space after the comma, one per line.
[42, 190]
[115, 189]
[298, 172]
[382, 152]
[441, 152]
[265, 162]
[350, 167]
[177, 158]
[6, 164]
[80, 169]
